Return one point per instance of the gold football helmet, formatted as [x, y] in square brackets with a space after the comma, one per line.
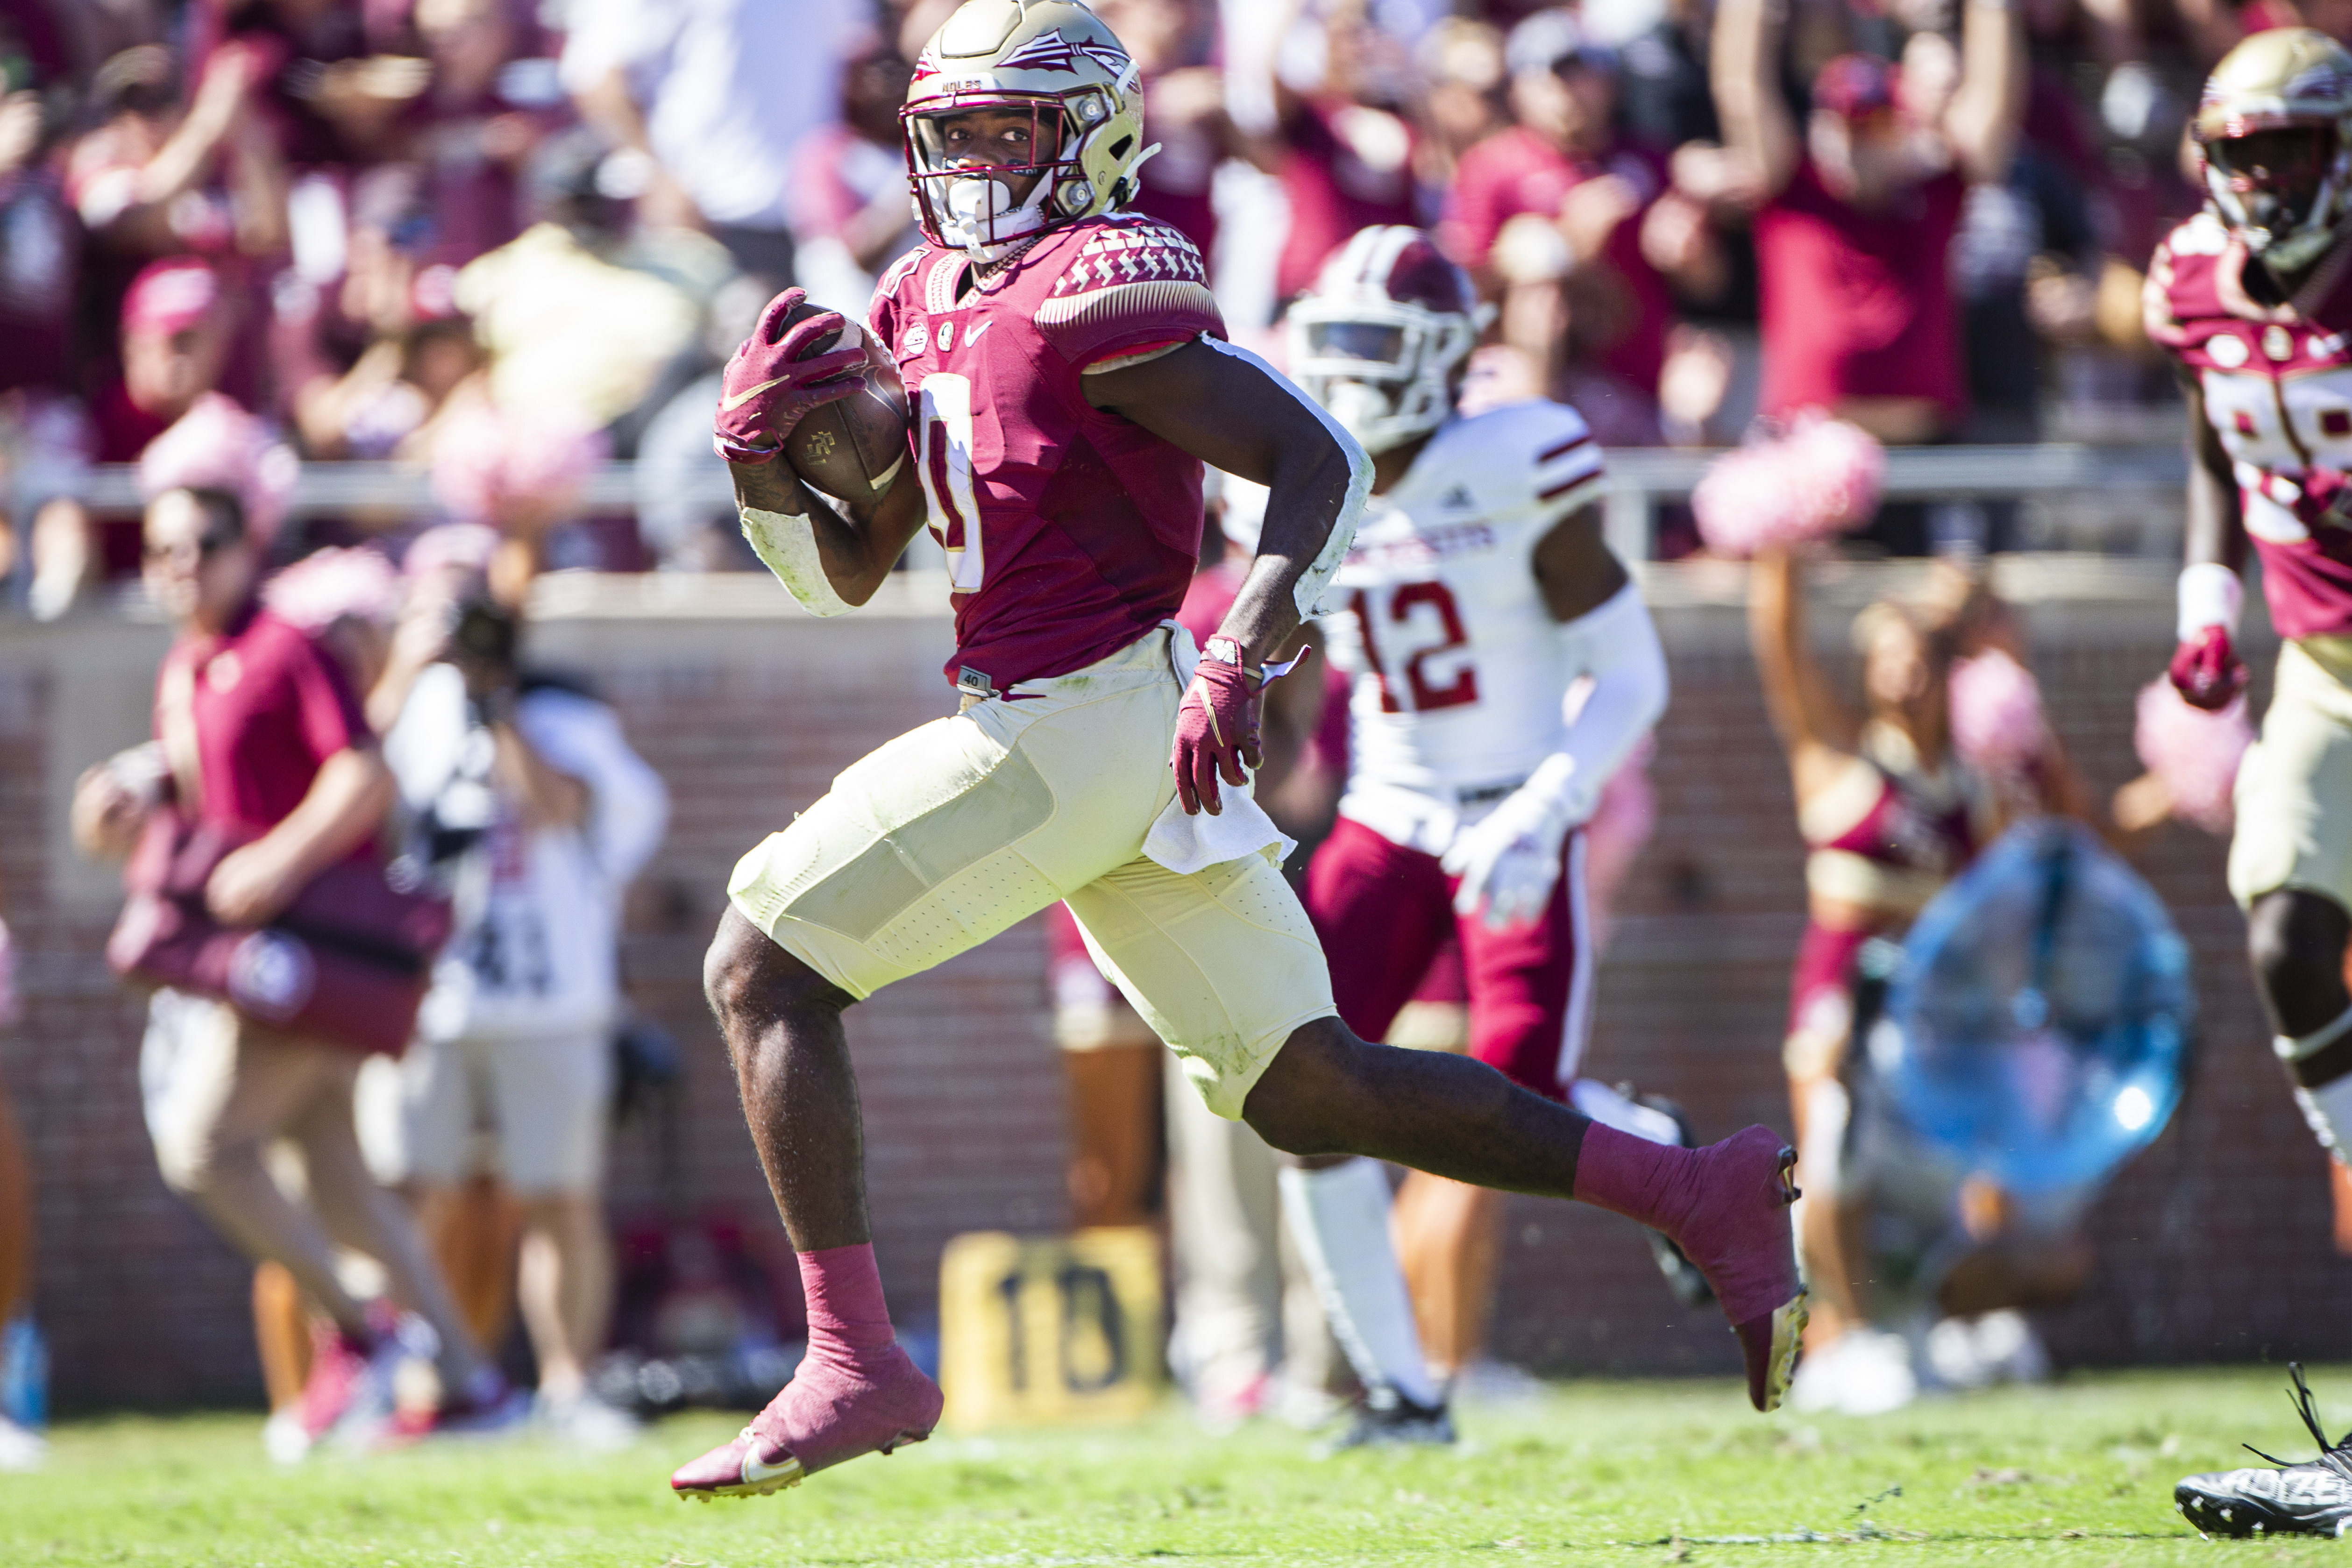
[1056, 60]
[2273, 133]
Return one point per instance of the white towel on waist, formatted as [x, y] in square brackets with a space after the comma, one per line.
[1187, 844]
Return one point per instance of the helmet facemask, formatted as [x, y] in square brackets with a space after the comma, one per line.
[2280, 188]
[968, 202]
[1383, 368]
[969, 206]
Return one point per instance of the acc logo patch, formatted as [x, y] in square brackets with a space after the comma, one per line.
[919, 338]
[271, 974]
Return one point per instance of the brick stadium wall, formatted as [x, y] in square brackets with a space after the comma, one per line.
[748, 709]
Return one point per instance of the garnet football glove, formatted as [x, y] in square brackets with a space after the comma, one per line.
[2206, 670]
[1216, 728]
[1509, 860]
[777, 376]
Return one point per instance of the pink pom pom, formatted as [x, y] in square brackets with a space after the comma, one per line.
[335, 585]
[1819, 479]
[1838, 468]
[216, 446]
[507, 465]
[1996, 720]
[2194, 752]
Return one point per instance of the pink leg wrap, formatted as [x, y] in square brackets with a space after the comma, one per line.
[855, 1391]
[1724, 1205]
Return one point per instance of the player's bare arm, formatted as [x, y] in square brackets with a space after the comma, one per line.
[1229, 409]
[1988, 109]
[1757, 124]
[1234, 413]
[1816, 728]
[1575, 568]
[2206, 668]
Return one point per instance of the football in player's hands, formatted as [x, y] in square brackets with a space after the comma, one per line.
[851, 449]
[2206, 670]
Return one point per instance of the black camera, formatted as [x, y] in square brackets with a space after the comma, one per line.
[487, 634]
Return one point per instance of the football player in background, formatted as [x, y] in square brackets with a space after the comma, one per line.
[1502, 666]
[1069, 377]
[2252, 298]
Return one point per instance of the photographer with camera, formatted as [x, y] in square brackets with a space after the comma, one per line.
[533, 810]
[261, 745]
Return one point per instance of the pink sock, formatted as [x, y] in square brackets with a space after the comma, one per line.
[1634, 1177]
[846, 1311]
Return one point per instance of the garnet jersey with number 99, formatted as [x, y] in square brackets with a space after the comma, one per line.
[2277, 380]
[1456, 668]
[1070, 532]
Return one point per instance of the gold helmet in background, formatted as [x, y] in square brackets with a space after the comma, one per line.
[2273, 133]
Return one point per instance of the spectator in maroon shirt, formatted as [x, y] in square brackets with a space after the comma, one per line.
[164, 173]
[177, 332]
[1577, 232]
[362, 368]
[1858, 212]
[1462, 62]
[1351, 156]
[490, 107]
[847, 196]
[261, 733]
[1183, 111]
[178, 327]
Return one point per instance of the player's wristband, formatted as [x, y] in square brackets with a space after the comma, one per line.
[749, 456]
[1225, 651]
[2211, 594]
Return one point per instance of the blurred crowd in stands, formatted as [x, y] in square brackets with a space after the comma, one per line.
[501, 240]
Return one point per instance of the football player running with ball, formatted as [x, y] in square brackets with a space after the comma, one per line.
[2253, 298]
[1502, 665]
[1069, 377]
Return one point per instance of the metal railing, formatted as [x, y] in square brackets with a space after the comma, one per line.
[1640, 478]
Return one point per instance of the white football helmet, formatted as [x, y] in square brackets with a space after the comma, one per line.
[1378, 339]
[1056, 60]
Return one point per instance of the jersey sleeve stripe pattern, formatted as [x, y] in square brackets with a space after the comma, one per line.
[1140, 302]
[1566, 468]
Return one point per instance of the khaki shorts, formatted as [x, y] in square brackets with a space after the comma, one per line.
[530, 1110]
[2294, 788]
[940, 839]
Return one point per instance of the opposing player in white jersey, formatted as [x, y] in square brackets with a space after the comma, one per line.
[1502, 666]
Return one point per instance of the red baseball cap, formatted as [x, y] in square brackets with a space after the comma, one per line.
[170, 296]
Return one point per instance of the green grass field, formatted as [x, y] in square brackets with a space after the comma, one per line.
[1621, 1472]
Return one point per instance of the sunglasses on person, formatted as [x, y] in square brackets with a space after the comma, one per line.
[207, 545]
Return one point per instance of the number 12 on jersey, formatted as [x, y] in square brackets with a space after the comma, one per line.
[943, 455]
[1421, 623]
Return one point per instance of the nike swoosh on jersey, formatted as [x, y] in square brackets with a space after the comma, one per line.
[973, 336]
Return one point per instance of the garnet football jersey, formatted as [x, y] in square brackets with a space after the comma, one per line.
[1457, 671]
[2278, 392]
[1070, 532]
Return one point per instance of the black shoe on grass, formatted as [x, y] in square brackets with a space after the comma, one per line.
[1395, 1422]
[2310, 1499]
